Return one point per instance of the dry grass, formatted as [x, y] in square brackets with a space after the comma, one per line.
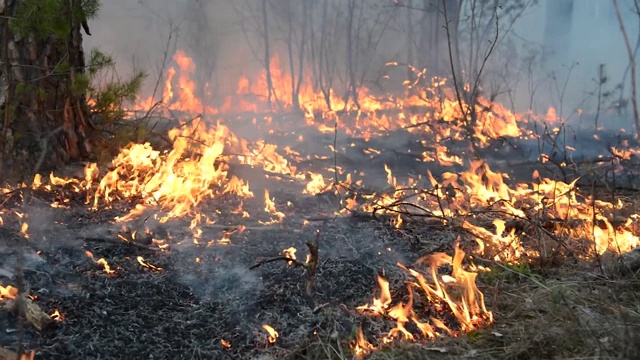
[543, 313]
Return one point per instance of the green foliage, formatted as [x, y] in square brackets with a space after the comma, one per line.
[98, 61]
[44, 18]
[511, 273]
[108, 101]
[110, 98]
[81, 84]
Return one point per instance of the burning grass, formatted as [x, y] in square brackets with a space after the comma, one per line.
[450, 258]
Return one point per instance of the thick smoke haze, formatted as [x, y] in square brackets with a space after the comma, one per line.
[223, 37]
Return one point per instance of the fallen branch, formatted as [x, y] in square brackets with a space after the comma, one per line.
[240, 227]
[283, 258]
[311, 266]
[119, 242]
[32, 312]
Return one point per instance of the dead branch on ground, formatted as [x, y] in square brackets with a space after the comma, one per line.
[311, 265]
[33, 314]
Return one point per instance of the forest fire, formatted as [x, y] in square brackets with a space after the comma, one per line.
[311, 179]
[499, 216]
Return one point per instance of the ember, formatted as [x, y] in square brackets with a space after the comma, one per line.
[57, 316]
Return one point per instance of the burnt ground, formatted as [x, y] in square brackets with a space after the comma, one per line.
[206, 293]
[187, 308]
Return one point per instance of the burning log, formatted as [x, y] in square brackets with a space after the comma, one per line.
[32, 312]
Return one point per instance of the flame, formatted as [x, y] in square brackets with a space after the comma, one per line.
[8, 292]
[361, 347]
[458, 292]
[316, 185]
[57, 316]
[493, 120]
[105, 265]
[24, 228]
[225, 344]
[270, 206]
[186, 99]
[273, 335]
[480, 200]
[379, 305]
[146, 264]
[290, 253]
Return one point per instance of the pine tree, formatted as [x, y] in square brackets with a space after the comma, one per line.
[45, 120]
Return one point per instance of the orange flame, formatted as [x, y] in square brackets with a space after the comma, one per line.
[361, 347]
[57, 316]
[458, 292]
[8, 292]
[146, 264]
[273, 335]
[105, 265]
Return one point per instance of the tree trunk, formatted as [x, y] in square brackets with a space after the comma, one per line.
[557, 35]
[45, 118]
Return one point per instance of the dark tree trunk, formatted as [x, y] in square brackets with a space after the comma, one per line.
[45, 118]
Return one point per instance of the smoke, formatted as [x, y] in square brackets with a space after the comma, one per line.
[558, 57]
[581, 45]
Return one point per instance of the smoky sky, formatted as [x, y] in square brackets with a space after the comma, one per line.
[215, 34]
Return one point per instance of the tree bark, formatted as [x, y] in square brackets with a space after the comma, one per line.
[45, 117]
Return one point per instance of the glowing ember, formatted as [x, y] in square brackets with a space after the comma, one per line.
[273, 335]
[225, 343]
[56, 315]
[8, 292]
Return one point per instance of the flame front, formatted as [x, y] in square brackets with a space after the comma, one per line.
[458, 293]
[361, 347]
